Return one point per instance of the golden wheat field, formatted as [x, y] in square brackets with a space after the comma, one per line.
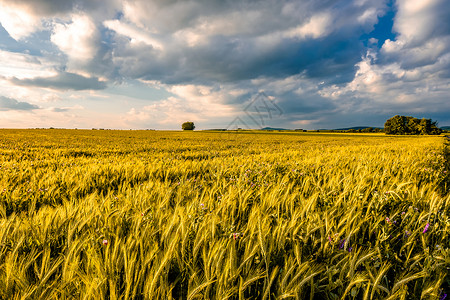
[99, 214]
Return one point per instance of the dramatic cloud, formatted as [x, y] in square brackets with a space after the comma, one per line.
[424, 34]
[208, 42]
[156, 62]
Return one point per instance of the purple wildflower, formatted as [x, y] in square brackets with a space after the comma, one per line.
[237, 235]
[443, 296]
[342, 244]
[426, 228]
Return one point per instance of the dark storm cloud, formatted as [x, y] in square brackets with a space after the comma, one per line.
[245, 40]
[13, 104]
[63, 81]
[239, 40]
[305, 104]
[223, 59]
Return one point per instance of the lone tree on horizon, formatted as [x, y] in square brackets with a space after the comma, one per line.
[188, 126]
[410, 125]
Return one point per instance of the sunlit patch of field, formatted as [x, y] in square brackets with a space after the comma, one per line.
[157, 215]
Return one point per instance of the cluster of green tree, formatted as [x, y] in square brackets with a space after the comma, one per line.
[188, 126]
[353, 130]
[410, 125]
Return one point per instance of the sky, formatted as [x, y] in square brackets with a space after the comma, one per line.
[154, 64]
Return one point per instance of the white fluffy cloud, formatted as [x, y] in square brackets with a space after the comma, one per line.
[319, 25]
[423, 37]
[416, 19]
[18, 20]
[78, 39]
[383, 88]
[135, 34]
[409, 74]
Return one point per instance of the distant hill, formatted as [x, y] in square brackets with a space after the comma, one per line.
[272, 128]
[215, 129]
[336, 129]
[357, 128]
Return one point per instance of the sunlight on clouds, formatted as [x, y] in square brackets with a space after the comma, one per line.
[427, 53]
[77, 39]
[137, 12]
[161, 17]
[191, 102]
[305, 122]
[368, 79]
[392, 46]
[135, 34]
[24, 66]
[369, 16]
[18, 21]
[170, 112]
[405, 98]
[230, 24]
[389, 87]
[365, 75]
[205, 99]
[416, 19]
[191, 37]
[318, 26]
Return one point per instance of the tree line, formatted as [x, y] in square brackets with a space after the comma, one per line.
[398, 125]
[410, 125]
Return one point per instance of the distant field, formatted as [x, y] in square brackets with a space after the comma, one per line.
[99, 214]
